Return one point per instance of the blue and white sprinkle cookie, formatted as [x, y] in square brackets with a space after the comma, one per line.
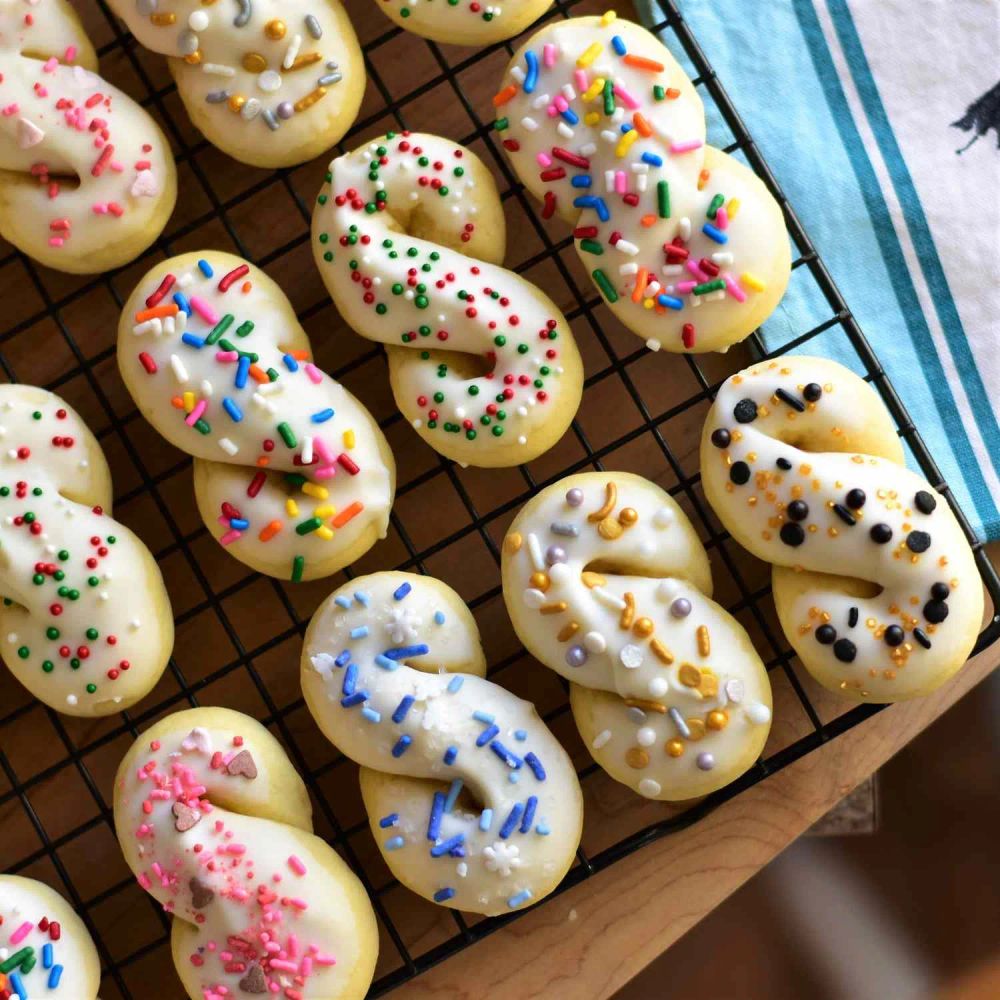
[471, 799]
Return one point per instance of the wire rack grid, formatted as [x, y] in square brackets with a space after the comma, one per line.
[55, 817]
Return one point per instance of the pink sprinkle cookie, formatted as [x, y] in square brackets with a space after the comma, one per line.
[217, 826]
[88, 180]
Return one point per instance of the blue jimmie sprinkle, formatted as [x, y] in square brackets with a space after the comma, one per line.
[402, 708]
[370, 714]
[342, 601]
[484, 717]
[543, 829]
[450, 754]
[47, 956]
[571, 116]
[486, 735]
[290, 363]
[510, 823]
[401, 591]
[671, 301]
[594, 202]
[625, 128]
[529, 813]
[242, 371]
[17, 984]
[652, 159]
[350, 678]
[322, 416]
[54, 976]
[362, 598]
[401, 745]
[391, 820]
[455, 684]
[385, 663]
[447, 846]
[443, 894]
[453, 793]
[394, 843]
[438, 617]
[535, 764]
[182, 303]
[531, 79]
[405, 652]
[714, 234]
[510, 759]
[192, 340]
[581, 180]
[232, 409]
[360, 632]
[239, 523]
[358, 698]
[206, 269]
[520, 735]
[518, 898]
[485, 819]
[437, 811]
[618, 44]
[342, 658]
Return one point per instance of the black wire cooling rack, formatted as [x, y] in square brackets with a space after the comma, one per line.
[20, 795]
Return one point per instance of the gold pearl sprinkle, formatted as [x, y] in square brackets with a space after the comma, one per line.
[637, 757]
[540, 581]
[674, 748]
[512, 543]
[628, 516]
[236, 102]
[643, 627]
[254, 62]
[276, 29]
[717, 720]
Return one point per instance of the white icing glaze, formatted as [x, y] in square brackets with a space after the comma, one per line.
[432, 304]
[514, 830]
[607, 584]
[350, 464]
[90, 630]
[832, 446]
[464, 22]
[92, 180]
[72, 969]
[215, 824]
[271, 82]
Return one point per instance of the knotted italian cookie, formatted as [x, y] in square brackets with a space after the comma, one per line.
[217, 826]
[86, 622]
[45, 950]
[686, 245]
[875, 584]
[272, 83]
[607, 583]
[291, 472]
[87, 179]
[408, 233]
[464, 22]
[471, 800]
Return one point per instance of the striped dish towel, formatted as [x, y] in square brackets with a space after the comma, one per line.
[881, 121]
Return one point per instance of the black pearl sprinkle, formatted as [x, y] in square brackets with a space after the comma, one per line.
[812, 391]
[845, 650]
[797, 510]
[856, 499]
[893, 635]
[918, 541]
[921, 636]
[880, 533]
[924, 502]
[935, 612]
[844, 514]
[739, 473]
[745, 411]
[826, 634]
[940, 591]
[783, 464]
[721, 438]
[792, 534]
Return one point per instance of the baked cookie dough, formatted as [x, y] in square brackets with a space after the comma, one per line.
[464, 22]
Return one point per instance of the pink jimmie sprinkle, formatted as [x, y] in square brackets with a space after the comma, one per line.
[21, 933]
[99, 208]
[306, 967]
[686, 147]
[299, 904]
[10, 109]
[296, 865]
[580, 76]
[696, 270]
[683, 287]
[561, 104]
[50, 65]
[544, 160]
[321, 959]
[315, 375]
[144, 881]
[620, 182]
[56, 241]
[721, 219]
[230, 536]
[283, 964]
[626, 98]
[326, 472]
[548, 55]
[204, 310]
[734, 289]
[196, 414]
[227, 357]
[323, 450]
[70, 53]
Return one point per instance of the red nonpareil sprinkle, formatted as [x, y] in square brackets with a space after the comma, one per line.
[147, 362]
[103, 160]
[230, 279]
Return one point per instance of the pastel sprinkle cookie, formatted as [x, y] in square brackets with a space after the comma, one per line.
[87, 179]
[874, 581]
[45, 950]
[85, 622]
[471, 799]
[607, 583]
[273, 83]
[464, 22]
[291, 472]
[685, 243]
[217, 826]
[408, 234]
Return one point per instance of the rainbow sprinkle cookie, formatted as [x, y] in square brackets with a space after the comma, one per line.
[272, 83]
[85, 620]
[291, 473]
[88, 179]
[685, 244]
[471, 799]
[216, 825]
[408, 232]
[800, 460]
[464, 22]
[607, 583]
[45, 950]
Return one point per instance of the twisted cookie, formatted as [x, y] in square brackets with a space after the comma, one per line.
[685, 243]
[87, 180]
[802, 464]
[291, 472]
[397, 232]
[270, 82]
[86, 620]
[607, 583]
[216, 825]
[472, 801]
